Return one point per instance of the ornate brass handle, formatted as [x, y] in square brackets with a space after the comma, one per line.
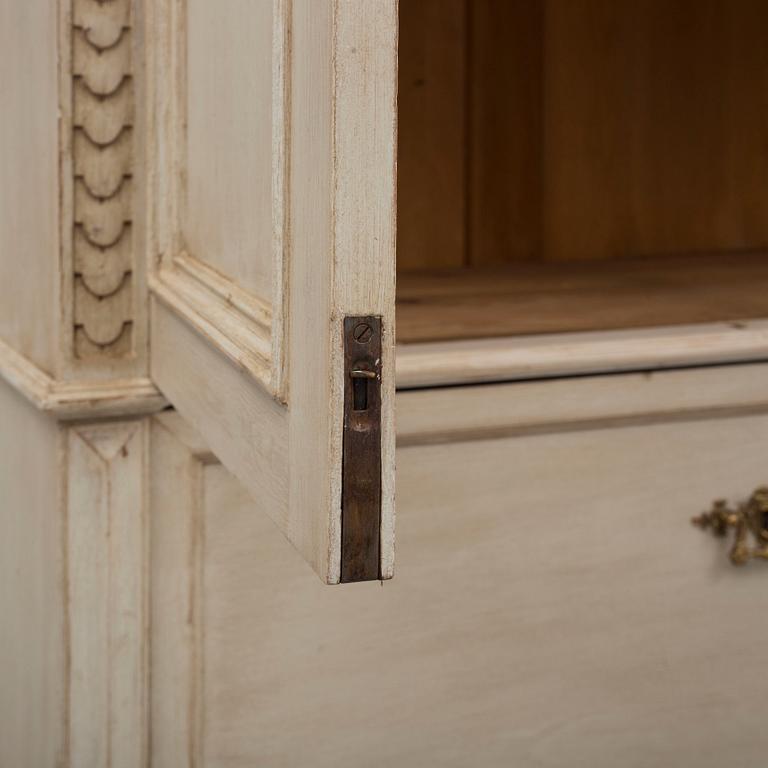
[750, 517]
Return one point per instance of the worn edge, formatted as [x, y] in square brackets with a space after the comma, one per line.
[233, 321]
[78, 399]
[428, 364]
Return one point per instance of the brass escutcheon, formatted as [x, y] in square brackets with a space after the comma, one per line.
[748, 519]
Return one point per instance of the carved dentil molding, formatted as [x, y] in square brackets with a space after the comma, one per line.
[102, 166]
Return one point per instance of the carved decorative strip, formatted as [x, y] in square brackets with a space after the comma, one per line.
[102, 163]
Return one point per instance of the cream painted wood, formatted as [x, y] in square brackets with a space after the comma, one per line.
[472, 361]
[177, 472]
[29, 160]
[72, 290]
[32, 586]
[107, 598]
[227, 221]
[74, 563]
[453, 414]
[229, 345]
[581, 621]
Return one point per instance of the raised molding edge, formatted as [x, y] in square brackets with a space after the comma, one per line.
[234, 321]
[249, 331]
[453, 414]
[576, 354]
[79, 399]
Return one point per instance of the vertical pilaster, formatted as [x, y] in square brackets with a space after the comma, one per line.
[107, 599]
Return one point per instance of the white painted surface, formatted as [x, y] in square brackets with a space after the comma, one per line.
[32, 649]
[553, 607]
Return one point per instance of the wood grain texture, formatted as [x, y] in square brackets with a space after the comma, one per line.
[592, 560]
[342, 251]
[432, 167]
[473, 361]
[227, 219]
[29, 238]
[177, 536]
[504, 114]
[32, 600]
[653, 127]
[331, 156]
[107, 597]
[588, 129]
[531, 298]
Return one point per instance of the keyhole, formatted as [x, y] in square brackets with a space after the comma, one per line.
[360, 394]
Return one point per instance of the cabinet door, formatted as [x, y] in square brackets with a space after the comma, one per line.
[270, 159]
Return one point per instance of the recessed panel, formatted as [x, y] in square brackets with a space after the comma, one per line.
[29, 194]
[228, 216]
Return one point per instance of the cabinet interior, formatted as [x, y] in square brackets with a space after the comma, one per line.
[577, 165]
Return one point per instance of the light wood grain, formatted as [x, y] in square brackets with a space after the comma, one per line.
[504, 117]
[653, 138]
[590, 129]
[432, 165]
[557, 298]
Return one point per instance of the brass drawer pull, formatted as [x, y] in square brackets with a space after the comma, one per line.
[751, 517]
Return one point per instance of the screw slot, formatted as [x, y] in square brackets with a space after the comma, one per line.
[362, 332]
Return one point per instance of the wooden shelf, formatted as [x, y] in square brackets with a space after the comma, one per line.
[550, 298]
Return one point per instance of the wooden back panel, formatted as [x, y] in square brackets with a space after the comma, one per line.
[591, 129]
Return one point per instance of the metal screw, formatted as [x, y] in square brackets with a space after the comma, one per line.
[362, 332]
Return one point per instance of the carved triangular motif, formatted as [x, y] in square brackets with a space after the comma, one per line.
[107, 440]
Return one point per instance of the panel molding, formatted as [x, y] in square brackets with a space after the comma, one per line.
[278, 427]
[79, 398]
[491, 411]
[247, 329]
[473, 361]
[233, 320]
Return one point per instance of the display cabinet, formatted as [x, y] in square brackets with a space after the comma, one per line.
[256, 254]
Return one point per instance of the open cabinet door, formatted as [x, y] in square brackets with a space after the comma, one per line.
[271, 207]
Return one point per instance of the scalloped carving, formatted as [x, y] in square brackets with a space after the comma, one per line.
[103, 169]
[102, 270]
[101, 328]
[103, 21]
[102, 151]
[103, 118]
[103, 219]
[102, 70]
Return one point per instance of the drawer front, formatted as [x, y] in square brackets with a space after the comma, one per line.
[553, 606]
